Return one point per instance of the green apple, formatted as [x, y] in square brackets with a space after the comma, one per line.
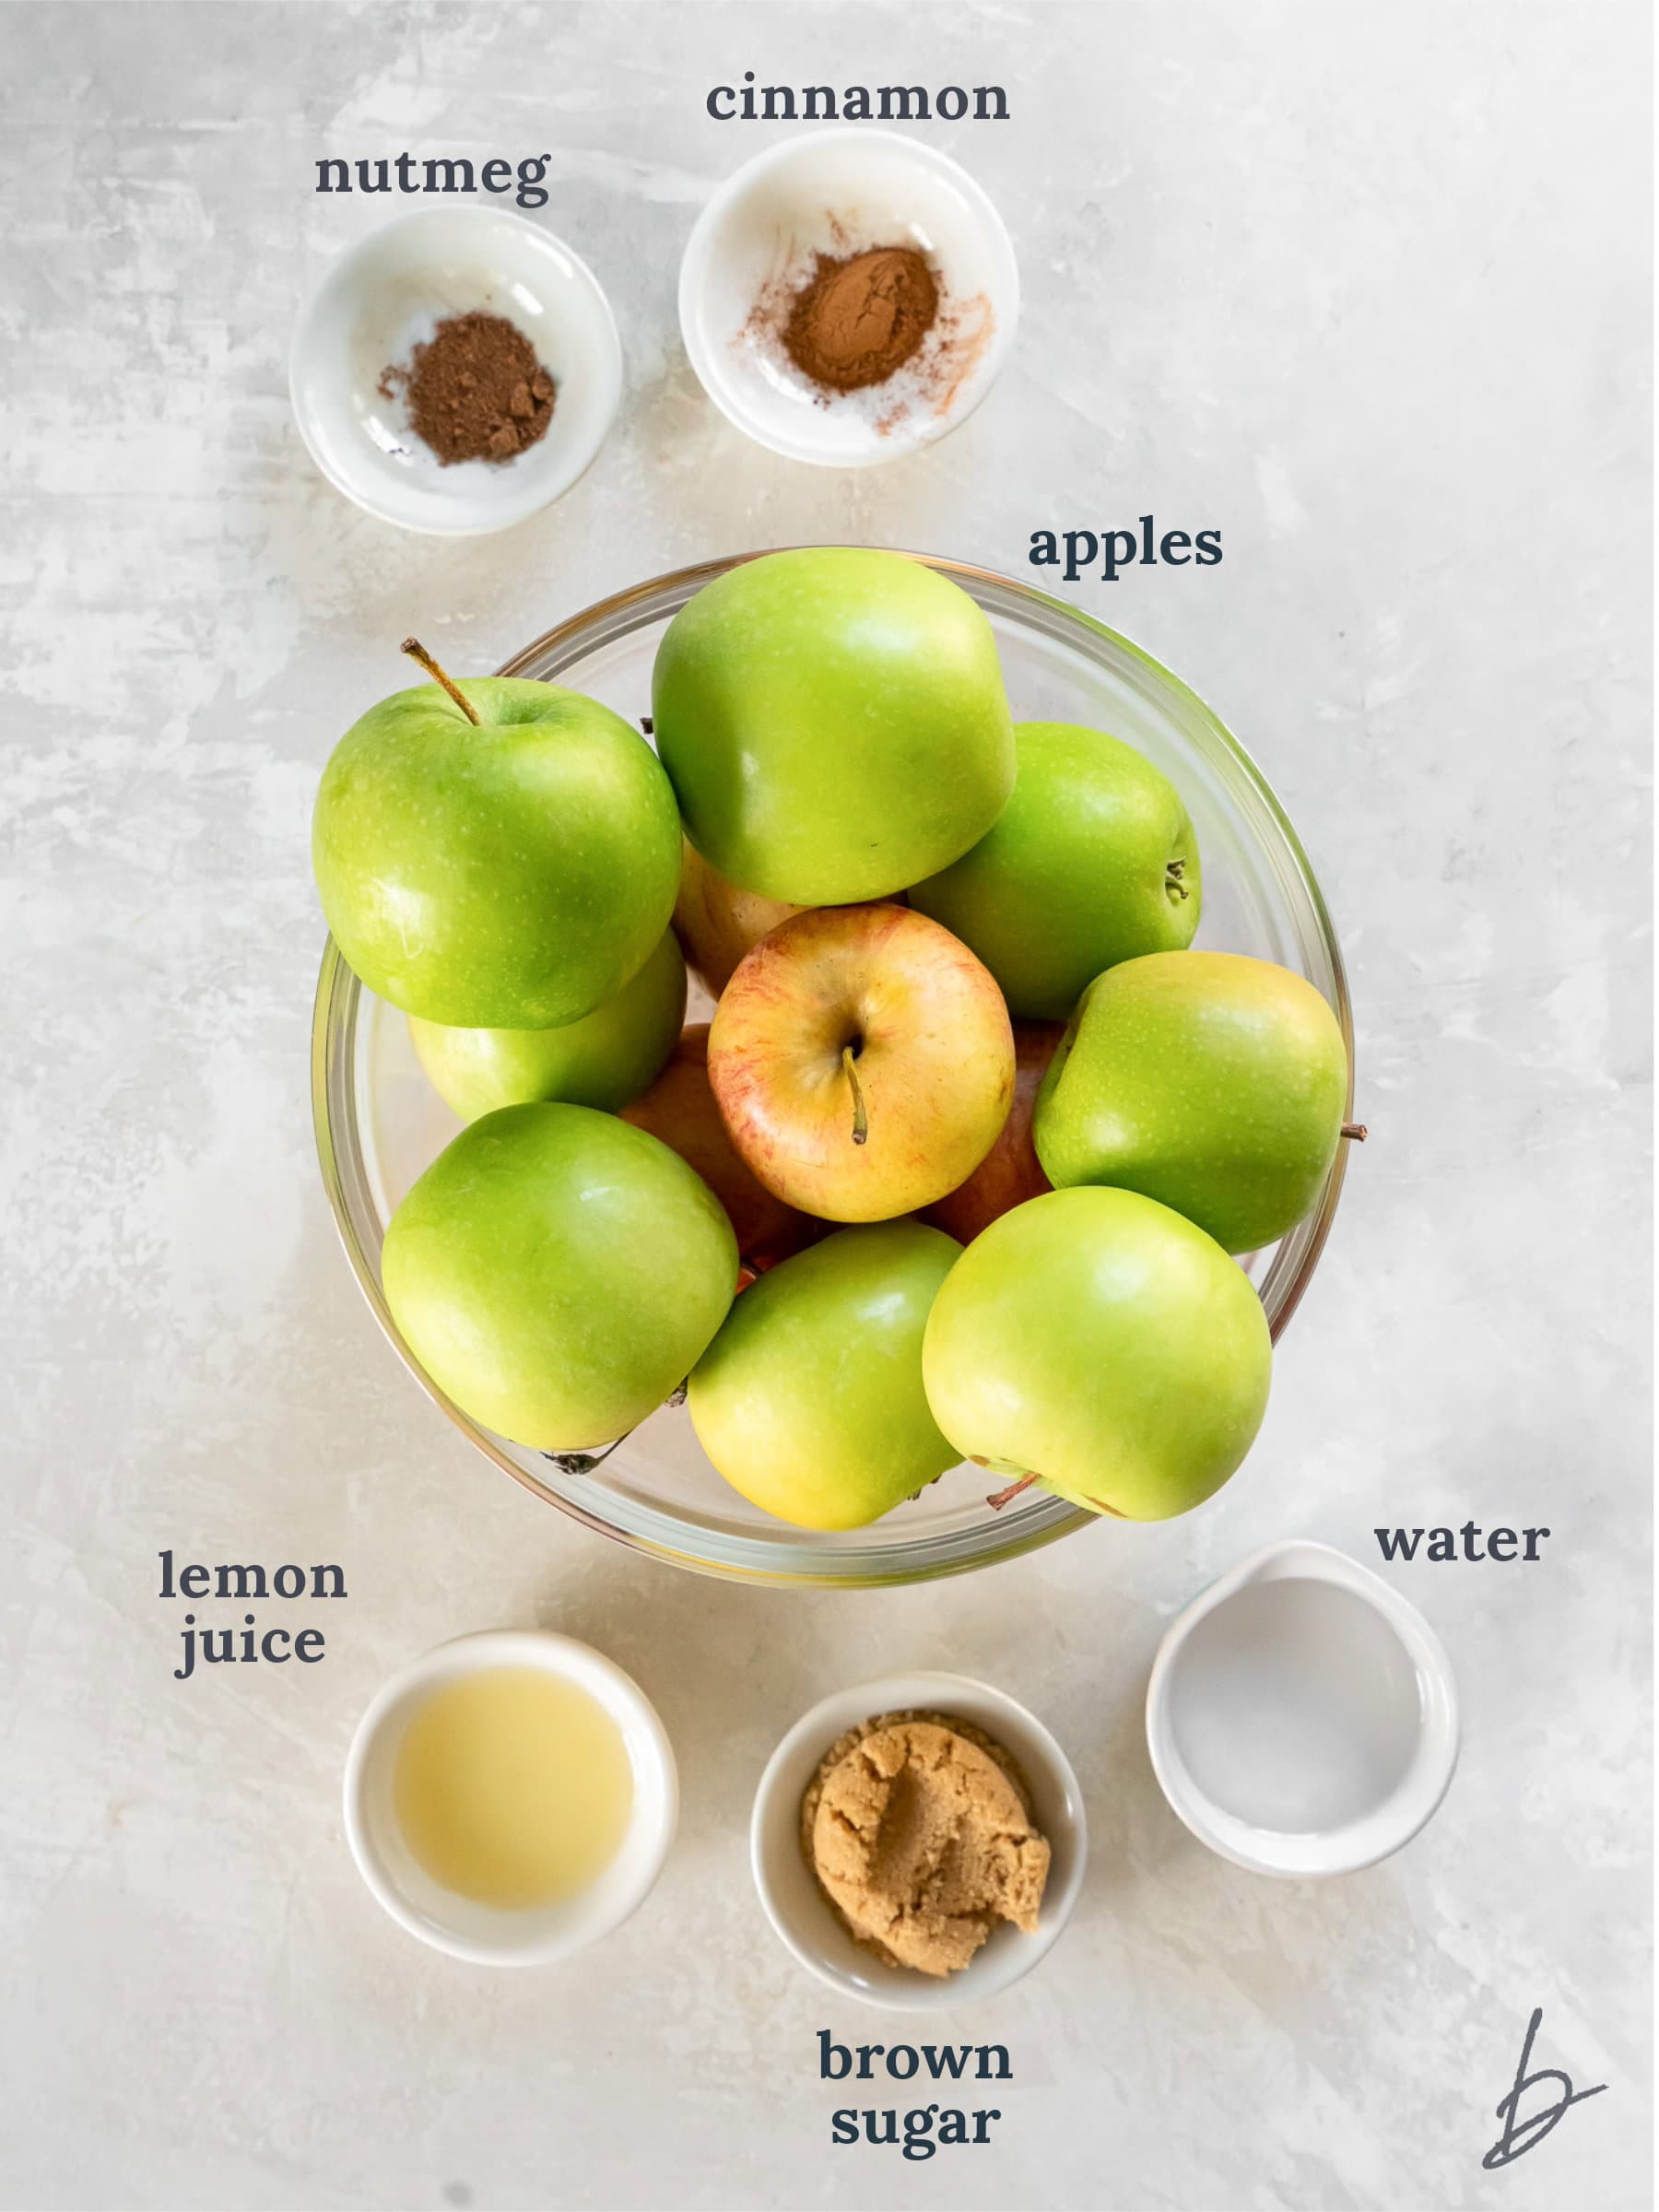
[834, 723]
[607, 1058]
[1092, 861]
[863, 1062]
[1102, 1344]
[558, 1273]
[501, 856]
[810, 1400]
[1211, 1082]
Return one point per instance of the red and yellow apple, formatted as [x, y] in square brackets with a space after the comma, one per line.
[862, 1061]
[679, 1109]
[1011, 1171]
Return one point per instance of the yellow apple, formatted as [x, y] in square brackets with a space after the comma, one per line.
[715, 923]
[862, 1061]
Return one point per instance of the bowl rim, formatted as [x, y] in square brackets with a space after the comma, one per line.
[337, 272]
[927, 1688]
[570, 1660]
[1369, 1837]
[699, 253]
[1033, 1526]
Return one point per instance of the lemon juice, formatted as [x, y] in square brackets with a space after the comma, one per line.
[512, 1787]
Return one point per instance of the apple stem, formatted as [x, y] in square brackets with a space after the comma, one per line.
[417, 651]
[1356, 1130]
[584, 1463]
[1175, 878]
[861, 1121]
[998, 1499]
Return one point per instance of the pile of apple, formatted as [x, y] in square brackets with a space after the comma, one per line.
[957, 1168]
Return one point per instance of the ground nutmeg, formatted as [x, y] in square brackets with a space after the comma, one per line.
[475, 390]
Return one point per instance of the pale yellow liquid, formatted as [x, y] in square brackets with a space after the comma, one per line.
[512, 1788]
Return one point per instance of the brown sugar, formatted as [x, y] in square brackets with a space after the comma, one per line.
[919, 1830]
[475, 390]
[859, 318]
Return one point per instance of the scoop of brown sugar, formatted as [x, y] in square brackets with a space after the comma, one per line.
[922, 1836]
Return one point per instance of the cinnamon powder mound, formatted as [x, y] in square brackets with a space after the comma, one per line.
[859, 318]
[475, 390]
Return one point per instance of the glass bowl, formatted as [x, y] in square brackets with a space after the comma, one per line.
[379, 1123]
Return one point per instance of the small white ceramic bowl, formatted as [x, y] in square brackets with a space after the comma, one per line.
[380, 297]
[483, 1934]
[840, 192]
[1302, 1715]
[797, 1907]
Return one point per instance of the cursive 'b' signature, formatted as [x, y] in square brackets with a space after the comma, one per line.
[1520, 2135]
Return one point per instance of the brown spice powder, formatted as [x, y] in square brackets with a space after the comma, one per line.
[475, 390]
[918, 1828]
[859, 318]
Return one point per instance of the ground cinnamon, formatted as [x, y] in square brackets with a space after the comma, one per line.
[858, 319]
[475, 390]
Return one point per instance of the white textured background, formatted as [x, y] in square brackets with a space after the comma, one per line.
[1366, 288]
